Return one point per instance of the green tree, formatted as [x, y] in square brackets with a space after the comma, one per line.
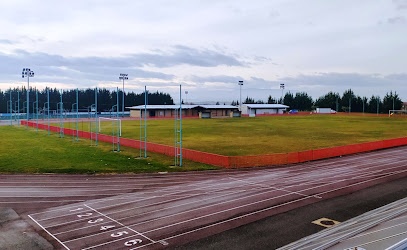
[348, 100]
[330, 100]
[391, 101]
[249, 100]
[288, 99]
[271, 100]
[302, 101]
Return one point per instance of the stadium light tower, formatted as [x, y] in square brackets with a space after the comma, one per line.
[123, 77]
[240, 102]
[282, 86]
[27, 73]
[186, 97]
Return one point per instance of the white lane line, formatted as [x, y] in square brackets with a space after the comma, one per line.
[252, 203]
[141, 234]
[30, 202]
[207, 206]
[275, 188]
[163, 209]
[146, 205]
[404, 225]
[126, 195]
[49, 233]
[56, 195]
[225, 221]
[382, 239]
[260, 211]
[110, 242]
[178, 193]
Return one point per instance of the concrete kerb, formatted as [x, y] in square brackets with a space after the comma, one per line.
[15, 233]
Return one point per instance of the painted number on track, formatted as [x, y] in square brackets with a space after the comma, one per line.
[76, 209]
[84, 215]
[95, 221]
[132, 242]
[104, 228]
[118, 234]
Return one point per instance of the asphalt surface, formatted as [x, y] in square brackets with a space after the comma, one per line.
[261, 208]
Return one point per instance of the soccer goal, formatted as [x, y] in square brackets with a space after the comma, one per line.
[110, 126]
[397, 113]
[113, 127]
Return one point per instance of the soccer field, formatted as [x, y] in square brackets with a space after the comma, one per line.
[265, 135]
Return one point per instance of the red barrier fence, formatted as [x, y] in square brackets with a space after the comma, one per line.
[238, 161]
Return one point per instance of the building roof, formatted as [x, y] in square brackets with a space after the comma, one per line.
[266, 106]
[184, 106]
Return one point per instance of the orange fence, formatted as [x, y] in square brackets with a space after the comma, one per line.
[238, 161]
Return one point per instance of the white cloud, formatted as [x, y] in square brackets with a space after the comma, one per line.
[208, 45]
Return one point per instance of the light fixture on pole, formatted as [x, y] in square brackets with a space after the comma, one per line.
[282, 86]
[123, 77]
[186, 97]
[240, 102]
[28, 73]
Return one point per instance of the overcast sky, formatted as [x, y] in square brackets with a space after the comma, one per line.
[207, 46]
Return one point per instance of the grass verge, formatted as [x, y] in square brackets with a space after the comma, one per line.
[24, 150]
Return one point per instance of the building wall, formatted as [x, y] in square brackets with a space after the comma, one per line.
[248, 111]
[162, 113]
[266, 111]
[135, 113]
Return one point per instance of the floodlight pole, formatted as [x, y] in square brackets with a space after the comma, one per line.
[282, 86]
[18, 107]
[123, 77]
[240, 103]
[393, 102]
[11, 108]
[180, 126]
[186, 97]
[28, 73]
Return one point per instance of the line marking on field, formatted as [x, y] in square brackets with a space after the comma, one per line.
[49, 233]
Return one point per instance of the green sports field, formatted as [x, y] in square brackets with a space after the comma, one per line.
[265, 135]
[24, 150]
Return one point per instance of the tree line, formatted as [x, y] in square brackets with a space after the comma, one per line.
[348, 102]
[106, 99]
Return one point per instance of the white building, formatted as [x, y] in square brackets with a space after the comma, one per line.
[166, 111]
[263, 109]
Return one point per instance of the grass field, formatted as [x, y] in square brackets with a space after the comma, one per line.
[265, 135]
[24, 150]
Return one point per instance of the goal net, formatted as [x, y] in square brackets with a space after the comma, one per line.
[110, 126]
[397, 113]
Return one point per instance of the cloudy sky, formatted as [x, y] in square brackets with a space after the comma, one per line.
[207, 46]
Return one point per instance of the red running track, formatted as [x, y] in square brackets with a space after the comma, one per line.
[159, 210]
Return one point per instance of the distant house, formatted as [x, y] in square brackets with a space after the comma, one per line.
[404, 107]
[167, 111]
[263, 109]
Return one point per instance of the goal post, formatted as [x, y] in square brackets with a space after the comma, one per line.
[107, 124]
[112, 126]
[397, 113]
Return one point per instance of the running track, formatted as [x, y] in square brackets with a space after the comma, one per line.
[154, 211]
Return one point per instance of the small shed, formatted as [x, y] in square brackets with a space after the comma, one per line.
[263, 109]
